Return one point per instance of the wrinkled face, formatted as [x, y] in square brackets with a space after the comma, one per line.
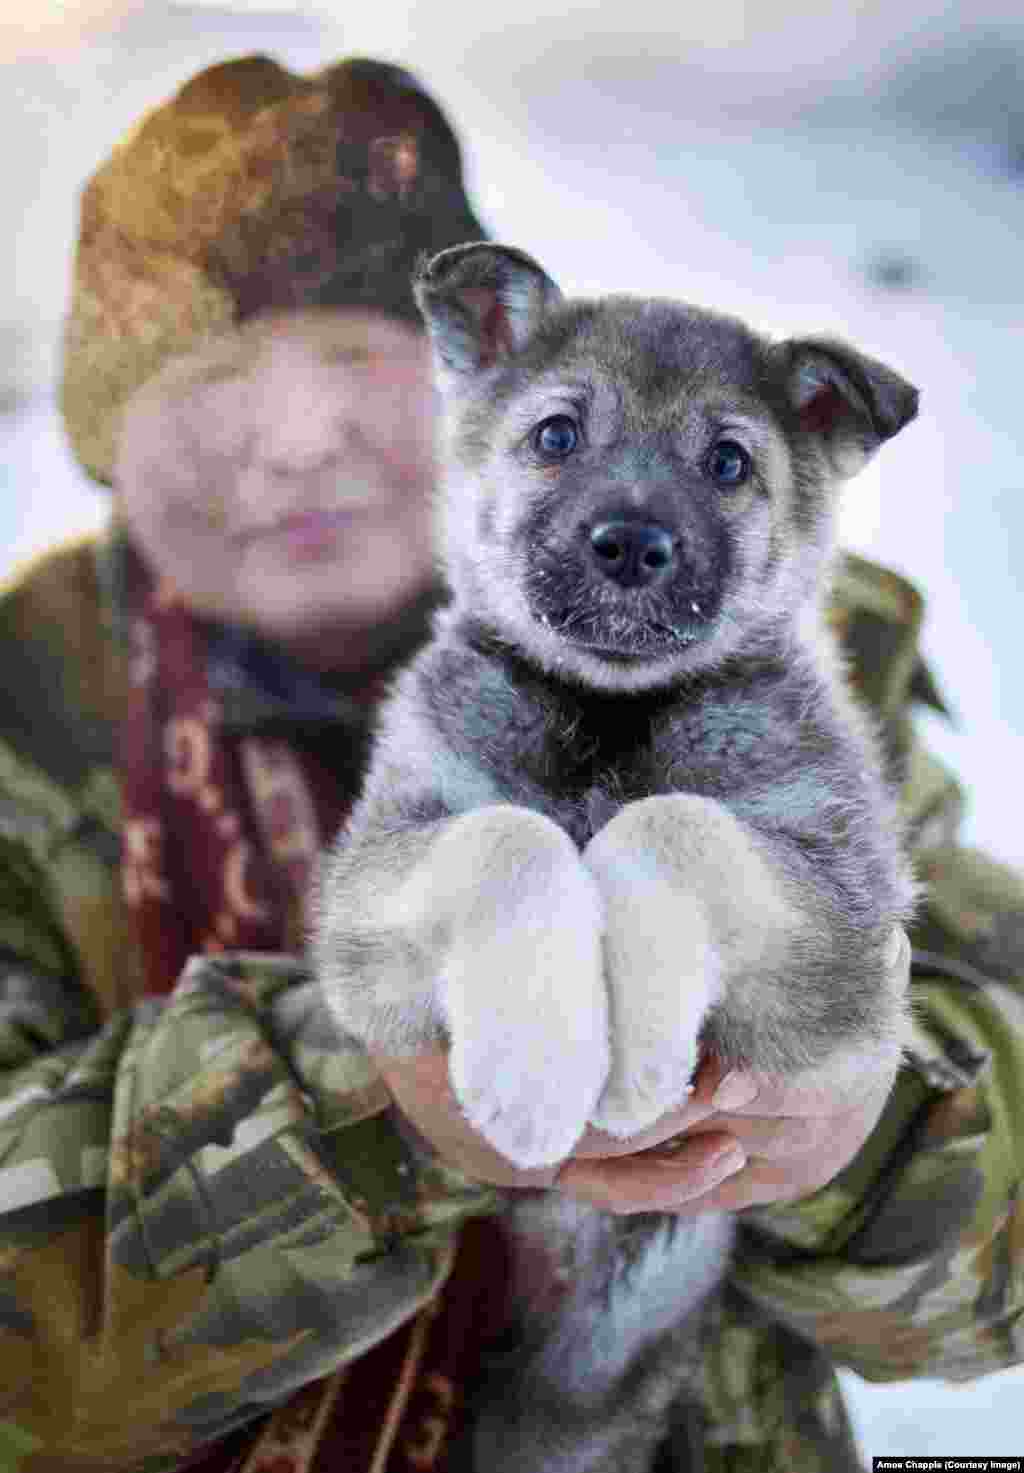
[625, 501]
[281, 478]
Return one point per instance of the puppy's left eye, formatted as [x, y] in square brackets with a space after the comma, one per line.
[555, 438]
[728, 463]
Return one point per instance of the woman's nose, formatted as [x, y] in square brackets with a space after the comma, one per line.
[301, 426]
[304, 436]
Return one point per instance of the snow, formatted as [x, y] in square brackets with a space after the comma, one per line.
[823, 172]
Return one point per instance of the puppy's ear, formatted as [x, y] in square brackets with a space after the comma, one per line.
[481, 303]
[851, 401]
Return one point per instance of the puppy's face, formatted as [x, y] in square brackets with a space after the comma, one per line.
[635, 489]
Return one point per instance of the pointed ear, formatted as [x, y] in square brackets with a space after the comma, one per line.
[481, 303]
[850, 401]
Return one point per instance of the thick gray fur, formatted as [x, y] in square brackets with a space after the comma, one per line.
[608, 826]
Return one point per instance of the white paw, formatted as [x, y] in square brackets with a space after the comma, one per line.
[526, 1007]
[645, 1084]
[533, 1111]
[662, 971]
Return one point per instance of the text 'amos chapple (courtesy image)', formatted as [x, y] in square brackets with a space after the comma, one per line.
[961, 1464]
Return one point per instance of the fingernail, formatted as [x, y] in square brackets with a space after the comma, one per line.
[735, 1091]
[732, 1159]
[668, 1149]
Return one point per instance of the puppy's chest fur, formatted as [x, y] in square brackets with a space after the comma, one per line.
[578, 756]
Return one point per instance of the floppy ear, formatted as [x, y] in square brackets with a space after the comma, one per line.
[851, 401]
[481, 303]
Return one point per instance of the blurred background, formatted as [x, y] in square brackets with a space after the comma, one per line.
[852, 168]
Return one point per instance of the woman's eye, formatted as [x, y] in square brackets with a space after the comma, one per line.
[555, 438]
[728, 463]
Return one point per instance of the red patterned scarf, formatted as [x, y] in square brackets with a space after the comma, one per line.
[222, 824]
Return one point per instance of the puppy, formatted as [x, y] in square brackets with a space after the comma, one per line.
[622, 808]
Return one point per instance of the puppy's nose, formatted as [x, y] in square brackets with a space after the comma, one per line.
[632, 554]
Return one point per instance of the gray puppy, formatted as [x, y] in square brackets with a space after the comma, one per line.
[622, 808]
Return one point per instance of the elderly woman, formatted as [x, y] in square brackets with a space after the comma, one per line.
[229, 1240]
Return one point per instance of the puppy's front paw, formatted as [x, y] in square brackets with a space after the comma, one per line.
[527, 1012]
[531, 1107]
[643, 1088]
[651, 1067]
[663, 974]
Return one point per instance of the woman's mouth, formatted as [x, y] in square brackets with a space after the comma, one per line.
[307, 534]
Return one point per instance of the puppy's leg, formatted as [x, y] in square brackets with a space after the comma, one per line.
[485, 928]
[690, 902]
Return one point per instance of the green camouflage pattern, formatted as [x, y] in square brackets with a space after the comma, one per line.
[204, 1207]
[205, 1200]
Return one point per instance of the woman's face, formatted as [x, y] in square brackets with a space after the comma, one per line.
[281, 479]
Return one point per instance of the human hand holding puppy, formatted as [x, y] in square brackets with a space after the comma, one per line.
[762, 1140]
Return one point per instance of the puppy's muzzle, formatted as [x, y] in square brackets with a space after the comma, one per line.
[632, 554]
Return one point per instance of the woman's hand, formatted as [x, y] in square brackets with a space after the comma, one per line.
[738, 1141]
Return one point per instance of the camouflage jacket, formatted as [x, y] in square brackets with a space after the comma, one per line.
[205, 1202]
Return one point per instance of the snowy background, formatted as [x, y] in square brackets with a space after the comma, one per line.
[855, 168]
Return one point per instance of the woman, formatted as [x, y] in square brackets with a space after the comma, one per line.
[211, 1206]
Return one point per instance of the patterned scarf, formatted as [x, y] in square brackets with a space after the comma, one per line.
[227, 796]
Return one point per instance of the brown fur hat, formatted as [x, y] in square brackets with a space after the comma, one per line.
[252, 190]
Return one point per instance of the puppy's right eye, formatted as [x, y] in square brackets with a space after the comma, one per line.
[555, 438]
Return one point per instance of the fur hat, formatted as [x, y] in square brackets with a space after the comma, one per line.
[252, 190]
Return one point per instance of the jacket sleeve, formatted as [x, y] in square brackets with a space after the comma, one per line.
[911, 1262]
[203, 1205]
